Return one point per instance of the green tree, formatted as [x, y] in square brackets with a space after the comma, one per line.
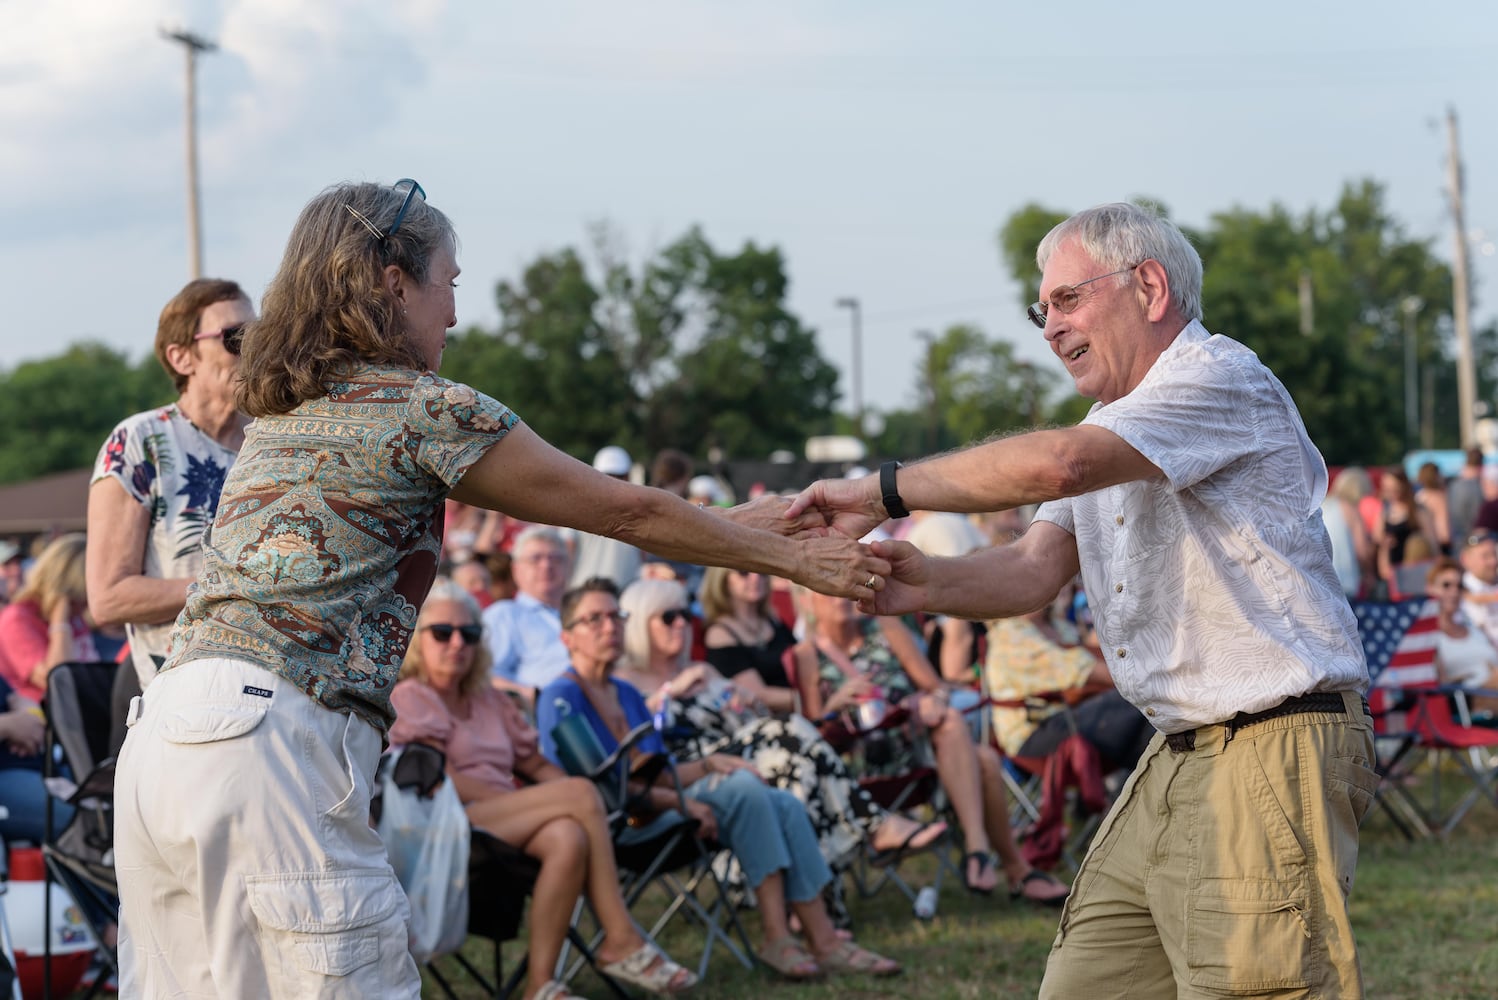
[551, 359]
[971, 387]
[56, 412]
[1018, 238]
[697, 350]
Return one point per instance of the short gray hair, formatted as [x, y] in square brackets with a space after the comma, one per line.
[1122, 235]
[539, 533]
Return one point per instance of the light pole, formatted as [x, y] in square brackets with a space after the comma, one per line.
[191, 46]
[928, 370]
[1411, 306]
[851, 304]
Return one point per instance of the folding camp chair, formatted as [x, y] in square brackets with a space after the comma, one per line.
[500, 876]
[1412, 711]
[81, 856]
[673, 858]
[914, 788]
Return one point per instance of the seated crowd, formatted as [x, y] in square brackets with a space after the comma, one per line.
[776, 711]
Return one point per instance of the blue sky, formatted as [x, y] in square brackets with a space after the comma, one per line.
[879, 144]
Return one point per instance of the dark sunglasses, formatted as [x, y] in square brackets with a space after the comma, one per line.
[670, 615]
[232, 336]
[444, 633]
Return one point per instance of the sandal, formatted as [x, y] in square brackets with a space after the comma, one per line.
[849, 957]
[553, 990]
[650, 970]
[789, 959]
[985, 861]
[888, 856]
[1050, 881]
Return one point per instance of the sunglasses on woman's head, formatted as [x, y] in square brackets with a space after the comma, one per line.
[444, 633]
[671, 615]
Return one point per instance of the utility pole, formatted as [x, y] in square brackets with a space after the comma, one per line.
[850, 303]
[1411, 306]
[191, 46]
[1466, 373]
[928, 371]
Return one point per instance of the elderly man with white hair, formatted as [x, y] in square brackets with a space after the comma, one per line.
[525, 634]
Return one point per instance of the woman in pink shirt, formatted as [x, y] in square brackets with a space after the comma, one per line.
[43, 626]
[444, 700]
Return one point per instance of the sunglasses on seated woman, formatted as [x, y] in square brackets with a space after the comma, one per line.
[444, 633]
[670, 615]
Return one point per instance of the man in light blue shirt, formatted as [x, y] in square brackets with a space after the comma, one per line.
[525, 634]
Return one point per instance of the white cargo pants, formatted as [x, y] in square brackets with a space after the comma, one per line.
[246, 863]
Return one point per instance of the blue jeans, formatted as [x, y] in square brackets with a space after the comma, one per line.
[766, 829]
[25, 799]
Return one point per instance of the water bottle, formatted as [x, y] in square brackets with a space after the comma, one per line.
[925, 903]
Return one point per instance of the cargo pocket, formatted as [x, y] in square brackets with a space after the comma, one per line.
[210, 722]
[1239, 947]
[322, 924]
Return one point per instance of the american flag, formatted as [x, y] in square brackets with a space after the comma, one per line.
[1399, 641]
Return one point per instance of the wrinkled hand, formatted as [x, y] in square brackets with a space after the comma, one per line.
[840, 567]
[850, 507]
[932, 706]
[849, 693]
[688, 682]
[23, 732]
[725, 764]
[905, 589]
[707, 823]
[768, 513]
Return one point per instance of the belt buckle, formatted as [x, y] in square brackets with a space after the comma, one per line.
[1181, 742]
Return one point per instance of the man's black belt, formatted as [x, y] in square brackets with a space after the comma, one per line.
[1326, 701]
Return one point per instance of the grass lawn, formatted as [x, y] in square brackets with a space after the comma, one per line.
[1423, 913]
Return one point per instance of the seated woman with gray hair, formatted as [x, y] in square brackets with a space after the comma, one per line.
[705, 713]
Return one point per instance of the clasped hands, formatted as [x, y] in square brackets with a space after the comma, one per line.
[884, 577]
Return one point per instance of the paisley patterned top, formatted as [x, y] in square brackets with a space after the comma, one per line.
[175, 470]
[1212, 585]
[329, 532]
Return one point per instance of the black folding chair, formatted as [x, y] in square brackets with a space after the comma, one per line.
[673, 858]
[80, 857]
[500, 876]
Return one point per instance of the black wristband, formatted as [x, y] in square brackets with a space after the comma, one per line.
[893, 505]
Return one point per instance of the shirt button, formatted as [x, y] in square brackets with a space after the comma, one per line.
[1118, 519]
[1150, 712]
[1121, 652]
[1118, 588]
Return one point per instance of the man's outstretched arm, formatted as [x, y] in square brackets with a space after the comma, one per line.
[998, 582]
[997, 475]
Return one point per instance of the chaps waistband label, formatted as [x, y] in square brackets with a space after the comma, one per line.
[257, 692]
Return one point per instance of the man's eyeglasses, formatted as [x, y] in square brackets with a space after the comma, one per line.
[1479, 537]
[232, 336]
[412, 193]
[672, 615]
[544, 557]
[595, 621]
[470, 634]
[1064, 298]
